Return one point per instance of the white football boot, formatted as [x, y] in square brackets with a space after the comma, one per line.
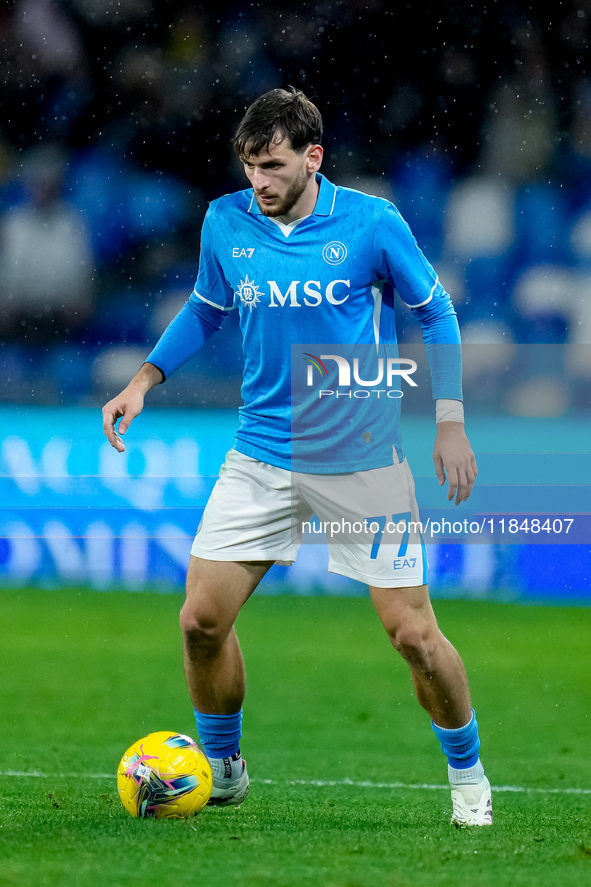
[472, 804]
[230, 781]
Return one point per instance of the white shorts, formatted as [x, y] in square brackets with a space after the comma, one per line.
[370, 520]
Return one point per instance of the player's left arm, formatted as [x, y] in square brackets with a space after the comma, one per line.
[420, 288]
[453, 455]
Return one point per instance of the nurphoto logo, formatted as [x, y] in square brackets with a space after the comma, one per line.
[386, 373]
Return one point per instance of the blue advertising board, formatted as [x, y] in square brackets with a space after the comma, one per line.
[74, 511]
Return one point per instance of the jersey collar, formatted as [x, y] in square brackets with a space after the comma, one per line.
[324, 203]
[326, 196]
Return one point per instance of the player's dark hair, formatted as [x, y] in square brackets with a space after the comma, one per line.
[280, 113]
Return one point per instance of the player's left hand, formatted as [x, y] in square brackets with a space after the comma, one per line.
[453, 454]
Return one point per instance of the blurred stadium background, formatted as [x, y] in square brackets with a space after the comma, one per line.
[115, 133]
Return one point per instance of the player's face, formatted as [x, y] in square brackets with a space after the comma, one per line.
[284, 180]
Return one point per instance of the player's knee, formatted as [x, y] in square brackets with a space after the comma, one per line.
[416, 644]
[203, 632]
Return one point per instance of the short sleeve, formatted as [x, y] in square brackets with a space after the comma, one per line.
[398, 259]
[211, 285]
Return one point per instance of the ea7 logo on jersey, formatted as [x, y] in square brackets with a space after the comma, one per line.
[243, 252]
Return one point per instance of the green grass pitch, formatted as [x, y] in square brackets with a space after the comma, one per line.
[345, 769]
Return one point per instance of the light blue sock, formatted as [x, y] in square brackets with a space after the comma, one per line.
[460, 745]
[219, 734]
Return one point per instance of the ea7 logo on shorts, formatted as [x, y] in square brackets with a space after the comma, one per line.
[334, 252]
[403, 563]
[243, 252]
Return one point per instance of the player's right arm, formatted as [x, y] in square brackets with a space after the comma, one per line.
[197, 320]
[129, 404]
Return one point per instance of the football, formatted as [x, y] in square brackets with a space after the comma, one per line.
[164, 775]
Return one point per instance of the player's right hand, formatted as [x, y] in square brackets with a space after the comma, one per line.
[126, 406]
[129, 404]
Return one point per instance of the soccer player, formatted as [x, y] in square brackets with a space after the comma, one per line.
[304, 262]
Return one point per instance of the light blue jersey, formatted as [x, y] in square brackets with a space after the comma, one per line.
[330, 278]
